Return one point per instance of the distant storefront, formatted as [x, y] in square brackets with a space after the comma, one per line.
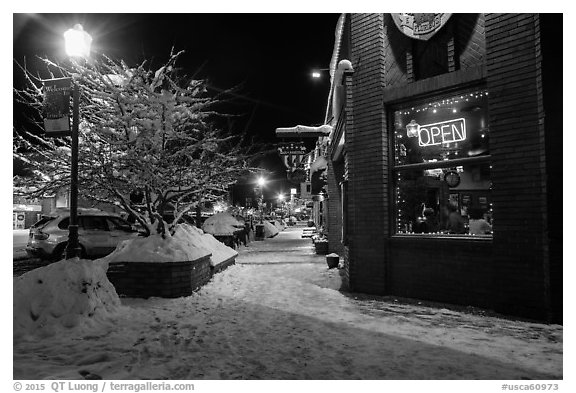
[26, 212]
[445, 160]
[23, 216]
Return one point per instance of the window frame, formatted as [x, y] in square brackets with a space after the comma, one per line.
[394, 169]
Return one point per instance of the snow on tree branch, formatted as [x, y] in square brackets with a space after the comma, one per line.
[144, 132]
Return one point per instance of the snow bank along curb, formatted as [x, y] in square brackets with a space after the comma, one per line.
[171, 267]
[270, 229]
[223, 224]
[65, 294]
[75, 293]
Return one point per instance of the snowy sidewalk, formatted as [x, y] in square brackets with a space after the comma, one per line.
[279, 314]
[287, 247]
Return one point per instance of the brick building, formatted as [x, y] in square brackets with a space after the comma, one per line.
[445, 159]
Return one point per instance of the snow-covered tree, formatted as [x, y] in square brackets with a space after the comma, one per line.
[144, 133]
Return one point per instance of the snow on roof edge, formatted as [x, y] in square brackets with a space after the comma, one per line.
[334, 61]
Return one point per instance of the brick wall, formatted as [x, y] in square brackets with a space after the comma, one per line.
[396, 46]
[223, 265]
[512, 273]
[346, 271]
[469, 36]
[453, 271]
[518, 162]
[366, 153]
[469, 47]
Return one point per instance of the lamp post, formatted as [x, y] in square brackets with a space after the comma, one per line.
[77, 45]
[259, 234]
[281, 199]
[261, 183]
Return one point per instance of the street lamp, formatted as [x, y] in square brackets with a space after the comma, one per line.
[316, 73]
[77, 45]
[77, 42]
[281, 200]
[261, 182]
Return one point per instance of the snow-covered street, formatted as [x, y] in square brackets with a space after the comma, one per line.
[279, 314]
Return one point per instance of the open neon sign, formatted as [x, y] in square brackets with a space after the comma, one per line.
[443, 132]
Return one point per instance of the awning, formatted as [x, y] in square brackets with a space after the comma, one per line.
[304, 131]
[26, 208]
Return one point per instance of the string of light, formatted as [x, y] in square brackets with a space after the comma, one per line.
[448, 102]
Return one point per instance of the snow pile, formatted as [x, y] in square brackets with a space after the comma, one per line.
[270, 229]
[187, 244]
[222, 224]
[65, 294]
[220, 251]
[279, 224]
[178, 248]
[230, 330]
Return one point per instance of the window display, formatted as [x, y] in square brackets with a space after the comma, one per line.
[442, 166]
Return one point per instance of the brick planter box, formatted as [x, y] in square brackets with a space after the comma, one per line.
[223, 266]
[167, 279]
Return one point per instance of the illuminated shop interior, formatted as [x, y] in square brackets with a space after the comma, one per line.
[442, 165]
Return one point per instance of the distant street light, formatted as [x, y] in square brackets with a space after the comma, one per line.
[317, 73]
[261, 183]
[281, 198]
[77, 45]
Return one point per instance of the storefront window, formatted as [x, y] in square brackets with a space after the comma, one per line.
[442, 166]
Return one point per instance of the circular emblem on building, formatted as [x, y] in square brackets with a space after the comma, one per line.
[452, 178]
[420, 26]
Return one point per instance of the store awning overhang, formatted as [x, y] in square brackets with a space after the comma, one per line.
[304, 131]
[26, 208]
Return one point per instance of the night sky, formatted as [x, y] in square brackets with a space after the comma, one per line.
[268, 58]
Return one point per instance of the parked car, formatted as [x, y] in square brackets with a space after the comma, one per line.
[99, 233]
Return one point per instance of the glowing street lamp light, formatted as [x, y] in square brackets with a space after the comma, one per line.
[317, 74]
[77, 45]
[78, 42]
[261, 182]
[281, 198]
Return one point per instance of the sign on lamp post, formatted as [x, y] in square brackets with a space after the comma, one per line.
[56, 106]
